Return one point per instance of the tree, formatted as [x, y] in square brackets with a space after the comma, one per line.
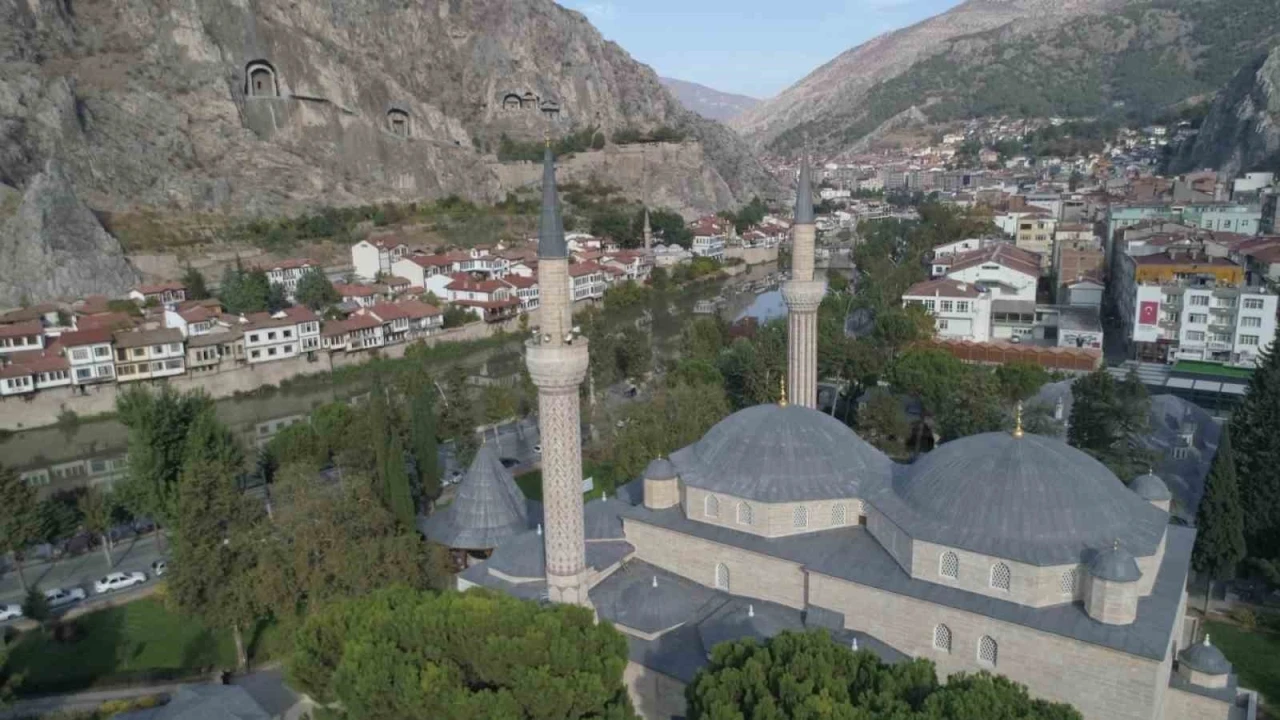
[929, 374]
[675, 417]
[35, 606]
[1220, 542]
[19, 521]
[972, 407]
[402, 653]
[315, 291]
[1020, 380]
[423, 444]
[158, 424]
[395, 480]
[1106, 420]
[807, 675]
[1257, 454]
[193, 279]
[457, 316]
[882, 422]
[213, 549]
[97, 508]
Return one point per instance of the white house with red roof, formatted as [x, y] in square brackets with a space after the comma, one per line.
[357, 293]
[961, 311]
[358, 332]
[394, 319]
[192, 320]
[32, 370]
[165, 293]
[418, 268]
[148, 354]
[89, 354]
[490, 300]
[526, 289]
[374, 256]
[635, 264]
[588, 281]
[285, 334]
[709, 235]
[424, 318]
[21, 336]
[1010, 273]
[287, 273]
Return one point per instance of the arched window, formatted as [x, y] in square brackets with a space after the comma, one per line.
[987, 650]
[1069, 581]
[949, 565]
[260, 80]
[711, 506]
[1000, 576]
[837, 515]
[744, 513]
[398, 122]
[722, 577]
[800, 517]
[942, 637]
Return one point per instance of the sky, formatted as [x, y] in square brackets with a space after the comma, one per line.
[751, 47]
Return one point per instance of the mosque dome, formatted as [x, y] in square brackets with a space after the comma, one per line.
[659, 469]
[1115, 565]
[1030, 498]
[1205, 658]
[781, 453]
[1150, 488]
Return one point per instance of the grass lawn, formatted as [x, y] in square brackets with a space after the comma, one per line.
[1255, 655]
[136, 641]
[1196, 367]
[530, 483]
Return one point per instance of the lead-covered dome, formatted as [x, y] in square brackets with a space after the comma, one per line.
[1031, 499]
[781, 453]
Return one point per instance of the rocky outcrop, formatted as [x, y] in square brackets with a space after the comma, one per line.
[1242, 129]
[282, 106]
[52, 245]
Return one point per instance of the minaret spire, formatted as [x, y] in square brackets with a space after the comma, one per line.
[557, 361]
[803, 294]
[648, 230]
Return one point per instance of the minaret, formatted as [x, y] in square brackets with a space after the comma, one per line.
[648, 231]
[803, 294]
[558, 364]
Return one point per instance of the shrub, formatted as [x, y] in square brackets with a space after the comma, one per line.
[1244, 617]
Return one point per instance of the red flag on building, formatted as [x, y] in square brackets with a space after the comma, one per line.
[1148, 312]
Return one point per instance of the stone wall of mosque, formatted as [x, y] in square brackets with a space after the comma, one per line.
[769, 519]
[976, 572]
[655, 696]
[1182, 705]
[1102, 684]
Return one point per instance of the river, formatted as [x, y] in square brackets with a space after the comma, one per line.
[56, 458]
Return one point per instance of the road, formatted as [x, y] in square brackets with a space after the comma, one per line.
[82, 570]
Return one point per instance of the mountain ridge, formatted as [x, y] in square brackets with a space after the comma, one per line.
[707, 101]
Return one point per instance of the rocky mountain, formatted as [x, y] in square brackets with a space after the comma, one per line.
[709, 102]
[273, 107]
[1022, 58]
[1242, 129]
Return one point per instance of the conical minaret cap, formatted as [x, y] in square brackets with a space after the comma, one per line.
[551, 242]
[804, 193]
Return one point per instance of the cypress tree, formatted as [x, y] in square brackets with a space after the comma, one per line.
[1220, 519]
[422, 440]
[395, 481]
[1255, 428]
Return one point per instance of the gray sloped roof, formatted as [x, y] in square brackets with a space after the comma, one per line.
[649, 599]
[1115, 565]
[601, 519]
[742, 618]
[203, 702]
[1205, 658]
[804, 193]
[775, 453]
[524, 556]
[488, 510]
[1151, 488]
[660, 469]
[1031, 499]
[551, 243]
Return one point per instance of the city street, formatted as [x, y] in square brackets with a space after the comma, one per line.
[134, 554]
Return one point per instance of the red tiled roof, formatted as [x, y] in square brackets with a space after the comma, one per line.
[91, 336]
[355, 290]
[520, 281]
[943, 287]
[395, 280]
[580, 269]
[1182, 259]
[21, 329]
[428, 261]
[489, 304]
[416, 309]
[38, 361]
[196, 314]
[386, 312]
[300, 313]
[35, 312]
[110, 320]
[93, 305]
[465, 283]
[12, 371]
[159, 288]
[1010, 256]
[355, 322]
[386, 242]
[290, 264]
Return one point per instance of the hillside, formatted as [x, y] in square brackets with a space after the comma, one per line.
[1242, 129]
[987, 58]
[280, 107]
[709, 102]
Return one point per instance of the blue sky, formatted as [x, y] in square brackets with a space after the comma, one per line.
[753, 47]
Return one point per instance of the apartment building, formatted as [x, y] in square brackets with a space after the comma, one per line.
[960, 310]
[285, 334]
[149, 354]
[21, 336]
[588, 281]
[89, 354]
[942, 255]
[358, 332]
[166, 293]
[376, 256]
[287, 273]
[1035, 234]
[1008, 272]
[215, 351]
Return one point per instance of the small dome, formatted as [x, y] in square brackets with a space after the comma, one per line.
[1115, 565]
[781, 453]
[1032, 499]
[650, 605]
[660, 469]
[1205, 658]
[1151, 488]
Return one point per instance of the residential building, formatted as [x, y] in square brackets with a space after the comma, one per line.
[526, 290]
[942, 255]
[1036, 234]
[394, 319]
[287, 273]
[711, 246]
[376, 256]
[192, 321]
[666, 256]
[490, 300]
[1083, 292]
[357, 294]
[960, 310]
[1077, 260]
[419, 269]
[166, 293]
[1010, 273]
[424, 319]
[215, 351]
[358, 332]
[587, 281]
[21, 336]
[285, 334]
[16, 380]
[89, 353]
[46, 368]
[149, 354]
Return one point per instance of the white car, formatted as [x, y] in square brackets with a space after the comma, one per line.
[58, 597]
[10, 612]
[537, 449]
[119, 581]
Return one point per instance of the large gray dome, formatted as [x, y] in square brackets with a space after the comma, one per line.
[777, 453]
[1031, 499]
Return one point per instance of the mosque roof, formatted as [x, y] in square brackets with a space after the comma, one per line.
[1031, 499]
[1116, 565]
[1205, 658]
[487, 510]
[1150, 487]
[551, 242]
[804, 193]
[781, 453]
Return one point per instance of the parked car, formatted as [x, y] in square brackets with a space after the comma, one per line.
[59, 597]
[159, 567]
[537, 449]
[10, 612]
[454, 478]
[119, 581]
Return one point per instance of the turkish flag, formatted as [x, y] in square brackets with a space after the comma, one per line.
[1147, 313]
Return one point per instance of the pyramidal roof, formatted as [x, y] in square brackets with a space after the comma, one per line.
[487, 510]
[551, 242]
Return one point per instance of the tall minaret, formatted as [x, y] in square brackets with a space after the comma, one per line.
[803, 294]
[558, 364]
[648, 230]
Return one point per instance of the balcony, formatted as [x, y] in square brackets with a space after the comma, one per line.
[1218, 345]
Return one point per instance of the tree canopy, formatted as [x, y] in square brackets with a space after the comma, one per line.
[403, 654]
[158, 423]
[807, 676]
[315, 290]
[1220, 519]
[1106, 419]
[1257, 453]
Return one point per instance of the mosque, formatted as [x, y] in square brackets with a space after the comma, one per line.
[1008, 552]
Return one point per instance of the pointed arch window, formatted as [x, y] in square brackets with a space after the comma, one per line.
[838, 515]
[988, 651]
[711, 506]
[745, 514]
[949, 565]
[800, 517]
[1000, 576]
[722, 577]
[942, 638]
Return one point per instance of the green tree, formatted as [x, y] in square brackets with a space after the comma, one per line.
[97, 508]
[35, 606]
[1020, 380]
[193, 279]
[395, 480]
[19, 518]
[882, 422]
[59, 516]
[929, 374]
[702, 338]
[403, 653]
[214, 548]
[457, 316]
[1220, 542]
[676, 416]
[972, 407]
[1257, 452]
[1106, 420]
[315, 290]
[423, 444]
[807, 675]
[158, 424]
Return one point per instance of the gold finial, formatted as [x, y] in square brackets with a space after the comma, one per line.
[1017, 421]
[546, 137]
[782, 389]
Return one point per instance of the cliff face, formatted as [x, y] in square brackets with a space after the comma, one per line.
[1242, 129]
[268, 107]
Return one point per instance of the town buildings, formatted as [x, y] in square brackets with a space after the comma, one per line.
[376, 256]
